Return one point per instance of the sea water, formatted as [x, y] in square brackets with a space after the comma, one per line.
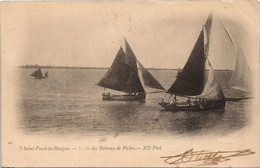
[69, 102]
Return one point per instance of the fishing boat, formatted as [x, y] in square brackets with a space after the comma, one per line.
[123, 76]
[241, 78]
[37, 74]
[189, 84]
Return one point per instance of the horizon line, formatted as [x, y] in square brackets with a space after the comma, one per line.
[89, 67]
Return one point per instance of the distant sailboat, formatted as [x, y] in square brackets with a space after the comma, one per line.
[38, 74]
[46, 74]
[190, 81]
[123, 76]
[241, 78]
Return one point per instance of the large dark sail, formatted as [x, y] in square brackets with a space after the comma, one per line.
[191, 79]
[148, 78]
[133, 84]
[117, 75]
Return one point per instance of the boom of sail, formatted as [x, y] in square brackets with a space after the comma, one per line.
[123, 74]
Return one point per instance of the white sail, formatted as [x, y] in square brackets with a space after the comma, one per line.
[212, 89]
[241, 77]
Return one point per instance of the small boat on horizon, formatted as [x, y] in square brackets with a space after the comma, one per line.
[123, 76]
[37, 74]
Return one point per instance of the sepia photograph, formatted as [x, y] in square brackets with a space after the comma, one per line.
[130, 83]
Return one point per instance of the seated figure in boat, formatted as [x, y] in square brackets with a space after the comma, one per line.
[189, 101]
[174, 100]
[106, 94]
[162, 101]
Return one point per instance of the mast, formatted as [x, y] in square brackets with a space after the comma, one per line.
[207, 28]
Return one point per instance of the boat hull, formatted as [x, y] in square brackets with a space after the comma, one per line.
[124, 97]
[195, 106]
[40, 77]
[237, 98]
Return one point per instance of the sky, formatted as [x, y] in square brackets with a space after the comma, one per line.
[89, 34]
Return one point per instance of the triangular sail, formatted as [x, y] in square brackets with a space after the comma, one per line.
[191, 79]
[241, 77]
[212, 89]
[148, 78]
[39, 74]
[117, 75]
[123, 73]
[34, 73]
[133, 84]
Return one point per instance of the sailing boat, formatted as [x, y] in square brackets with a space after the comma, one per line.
[190, 81]
[37, 74]
[123, 76]
[241, 77]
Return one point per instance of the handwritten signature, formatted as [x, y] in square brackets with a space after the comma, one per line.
[204, 158]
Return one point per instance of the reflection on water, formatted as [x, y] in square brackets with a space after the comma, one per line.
[69, 102]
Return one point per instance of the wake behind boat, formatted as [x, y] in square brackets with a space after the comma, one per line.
[190, 81]
[123, 76]
[38, 74]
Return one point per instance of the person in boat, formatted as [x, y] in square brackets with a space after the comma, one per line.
[172, 101]
[175, 99]
[162, 100]
[108, 93]
[189, 101]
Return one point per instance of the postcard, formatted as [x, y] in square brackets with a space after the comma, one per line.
[130, 83]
